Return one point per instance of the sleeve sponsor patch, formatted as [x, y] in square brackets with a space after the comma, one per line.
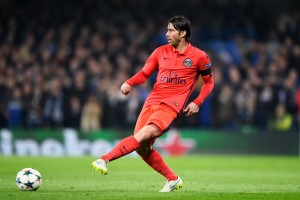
[207, 65]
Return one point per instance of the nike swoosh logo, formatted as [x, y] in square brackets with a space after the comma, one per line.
[172, 187]
[166, 58]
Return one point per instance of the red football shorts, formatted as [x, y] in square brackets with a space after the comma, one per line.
[162, 115]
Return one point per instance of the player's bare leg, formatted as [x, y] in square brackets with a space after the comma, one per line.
[148, 132]
[140, 143]
[125, 146]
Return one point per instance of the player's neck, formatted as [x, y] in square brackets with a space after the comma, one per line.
[181, 47]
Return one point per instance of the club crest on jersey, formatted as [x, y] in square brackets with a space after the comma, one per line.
[187, 62]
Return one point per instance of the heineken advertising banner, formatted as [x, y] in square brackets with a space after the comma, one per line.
[70, 142]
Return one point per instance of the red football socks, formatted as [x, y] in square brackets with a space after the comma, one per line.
[155, 160]
[125, 146]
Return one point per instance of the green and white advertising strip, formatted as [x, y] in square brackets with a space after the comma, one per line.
[70, 142]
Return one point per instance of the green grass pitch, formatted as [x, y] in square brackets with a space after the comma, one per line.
[205, 177]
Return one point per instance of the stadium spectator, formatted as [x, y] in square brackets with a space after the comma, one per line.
[92, 114]
[282, 120]
[72, 113]
[15, 109]
[54, 104]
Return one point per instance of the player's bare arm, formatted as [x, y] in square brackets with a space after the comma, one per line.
[126, 88]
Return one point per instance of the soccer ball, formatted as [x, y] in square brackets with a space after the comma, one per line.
[28, 179]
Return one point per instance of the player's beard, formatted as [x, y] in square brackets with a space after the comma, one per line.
[174, 42]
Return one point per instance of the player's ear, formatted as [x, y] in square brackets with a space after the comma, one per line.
[182, 34]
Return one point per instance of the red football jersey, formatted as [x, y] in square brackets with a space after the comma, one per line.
[177, 76]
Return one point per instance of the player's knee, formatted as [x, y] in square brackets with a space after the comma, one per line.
[148, 132]
[153, 131]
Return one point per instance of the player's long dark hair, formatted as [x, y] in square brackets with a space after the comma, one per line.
[181, 23]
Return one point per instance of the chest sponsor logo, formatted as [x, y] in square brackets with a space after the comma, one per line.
[172, 78]
[187, 62]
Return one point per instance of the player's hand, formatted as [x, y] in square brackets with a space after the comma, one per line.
[191, 109]
[126, 88]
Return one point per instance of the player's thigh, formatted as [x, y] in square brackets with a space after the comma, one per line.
[142, 119]
[163, 117]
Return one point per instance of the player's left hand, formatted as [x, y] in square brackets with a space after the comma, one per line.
[191, 109]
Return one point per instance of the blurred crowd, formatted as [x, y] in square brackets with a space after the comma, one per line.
[62, 62]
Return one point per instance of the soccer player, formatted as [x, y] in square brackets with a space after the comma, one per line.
[179, 65]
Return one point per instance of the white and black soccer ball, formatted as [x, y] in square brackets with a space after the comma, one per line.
[28, 179]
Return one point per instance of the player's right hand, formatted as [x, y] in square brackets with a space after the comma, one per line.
[126, 88]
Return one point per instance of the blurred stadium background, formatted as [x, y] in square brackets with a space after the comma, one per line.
[62, 64]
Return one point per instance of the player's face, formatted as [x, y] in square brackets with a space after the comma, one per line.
[173, 36]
